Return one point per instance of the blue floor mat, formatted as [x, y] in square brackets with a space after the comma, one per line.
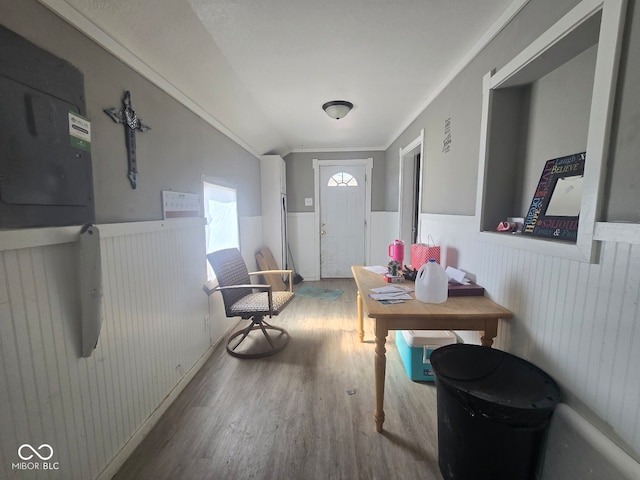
[315, 292]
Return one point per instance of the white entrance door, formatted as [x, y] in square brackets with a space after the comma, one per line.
[342, 219]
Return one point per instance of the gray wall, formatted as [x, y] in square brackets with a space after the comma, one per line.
[604, 298]
[450, 179]
[622, 189]
[173, 155]
[558, 120]
[300, 177]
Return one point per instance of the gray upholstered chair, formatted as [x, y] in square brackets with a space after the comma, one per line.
[250, 302]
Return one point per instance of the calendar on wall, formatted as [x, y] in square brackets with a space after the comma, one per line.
[180, 205]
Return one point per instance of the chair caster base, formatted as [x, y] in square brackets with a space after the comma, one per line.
[272, 343]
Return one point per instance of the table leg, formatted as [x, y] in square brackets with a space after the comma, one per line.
[380, 364]
[360, 318]
[490, 332]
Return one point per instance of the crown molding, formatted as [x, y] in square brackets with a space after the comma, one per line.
[489, 35]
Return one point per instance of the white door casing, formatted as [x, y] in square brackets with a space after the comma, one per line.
[345, 212]
[405, 193]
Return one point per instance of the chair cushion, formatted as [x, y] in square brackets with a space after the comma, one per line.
[258, 303]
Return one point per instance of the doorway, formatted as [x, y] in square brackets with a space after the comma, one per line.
[343, 200]
[410, 191]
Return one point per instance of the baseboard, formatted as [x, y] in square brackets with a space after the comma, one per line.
[118, 460]
[577, 449]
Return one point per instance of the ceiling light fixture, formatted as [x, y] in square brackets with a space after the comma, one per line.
[337, 108]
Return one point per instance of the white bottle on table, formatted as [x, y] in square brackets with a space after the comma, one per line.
[432, 283]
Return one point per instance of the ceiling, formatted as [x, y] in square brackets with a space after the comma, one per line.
[261, 70]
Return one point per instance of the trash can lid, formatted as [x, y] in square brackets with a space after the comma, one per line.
[496, 384]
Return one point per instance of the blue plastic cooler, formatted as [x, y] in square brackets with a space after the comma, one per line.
[415, 347]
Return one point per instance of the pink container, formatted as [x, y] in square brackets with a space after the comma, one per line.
[396, 251]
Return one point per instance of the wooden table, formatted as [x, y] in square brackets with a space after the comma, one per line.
[457, 313]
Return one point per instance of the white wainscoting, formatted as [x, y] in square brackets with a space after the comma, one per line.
[579, 322]
[250, 240]
[384, 230]
[577, 450]
[93, 411]
[303, 242]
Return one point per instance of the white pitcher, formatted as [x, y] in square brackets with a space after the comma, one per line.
[432, 283]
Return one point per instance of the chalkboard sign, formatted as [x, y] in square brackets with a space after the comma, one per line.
[555, 207]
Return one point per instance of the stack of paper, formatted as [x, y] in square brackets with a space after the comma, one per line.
[391, 293]
[457, 276]
[377, 269]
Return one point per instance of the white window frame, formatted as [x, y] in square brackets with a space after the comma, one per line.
[223, 186]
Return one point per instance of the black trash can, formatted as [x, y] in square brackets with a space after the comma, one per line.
[493, 412]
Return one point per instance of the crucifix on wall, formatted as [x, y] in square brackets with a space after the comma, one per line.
[127, 116]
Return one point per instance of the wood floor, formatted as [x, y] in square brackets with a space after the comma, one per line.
[306, 413]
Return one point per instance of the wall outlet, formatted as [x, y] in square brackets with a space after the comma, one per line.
[308, 202]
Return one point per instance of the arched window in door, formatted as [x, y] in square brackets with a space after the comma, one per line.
[342, 179]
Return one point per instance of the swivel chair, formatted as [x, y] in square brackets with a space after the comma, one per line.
[251, 302]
